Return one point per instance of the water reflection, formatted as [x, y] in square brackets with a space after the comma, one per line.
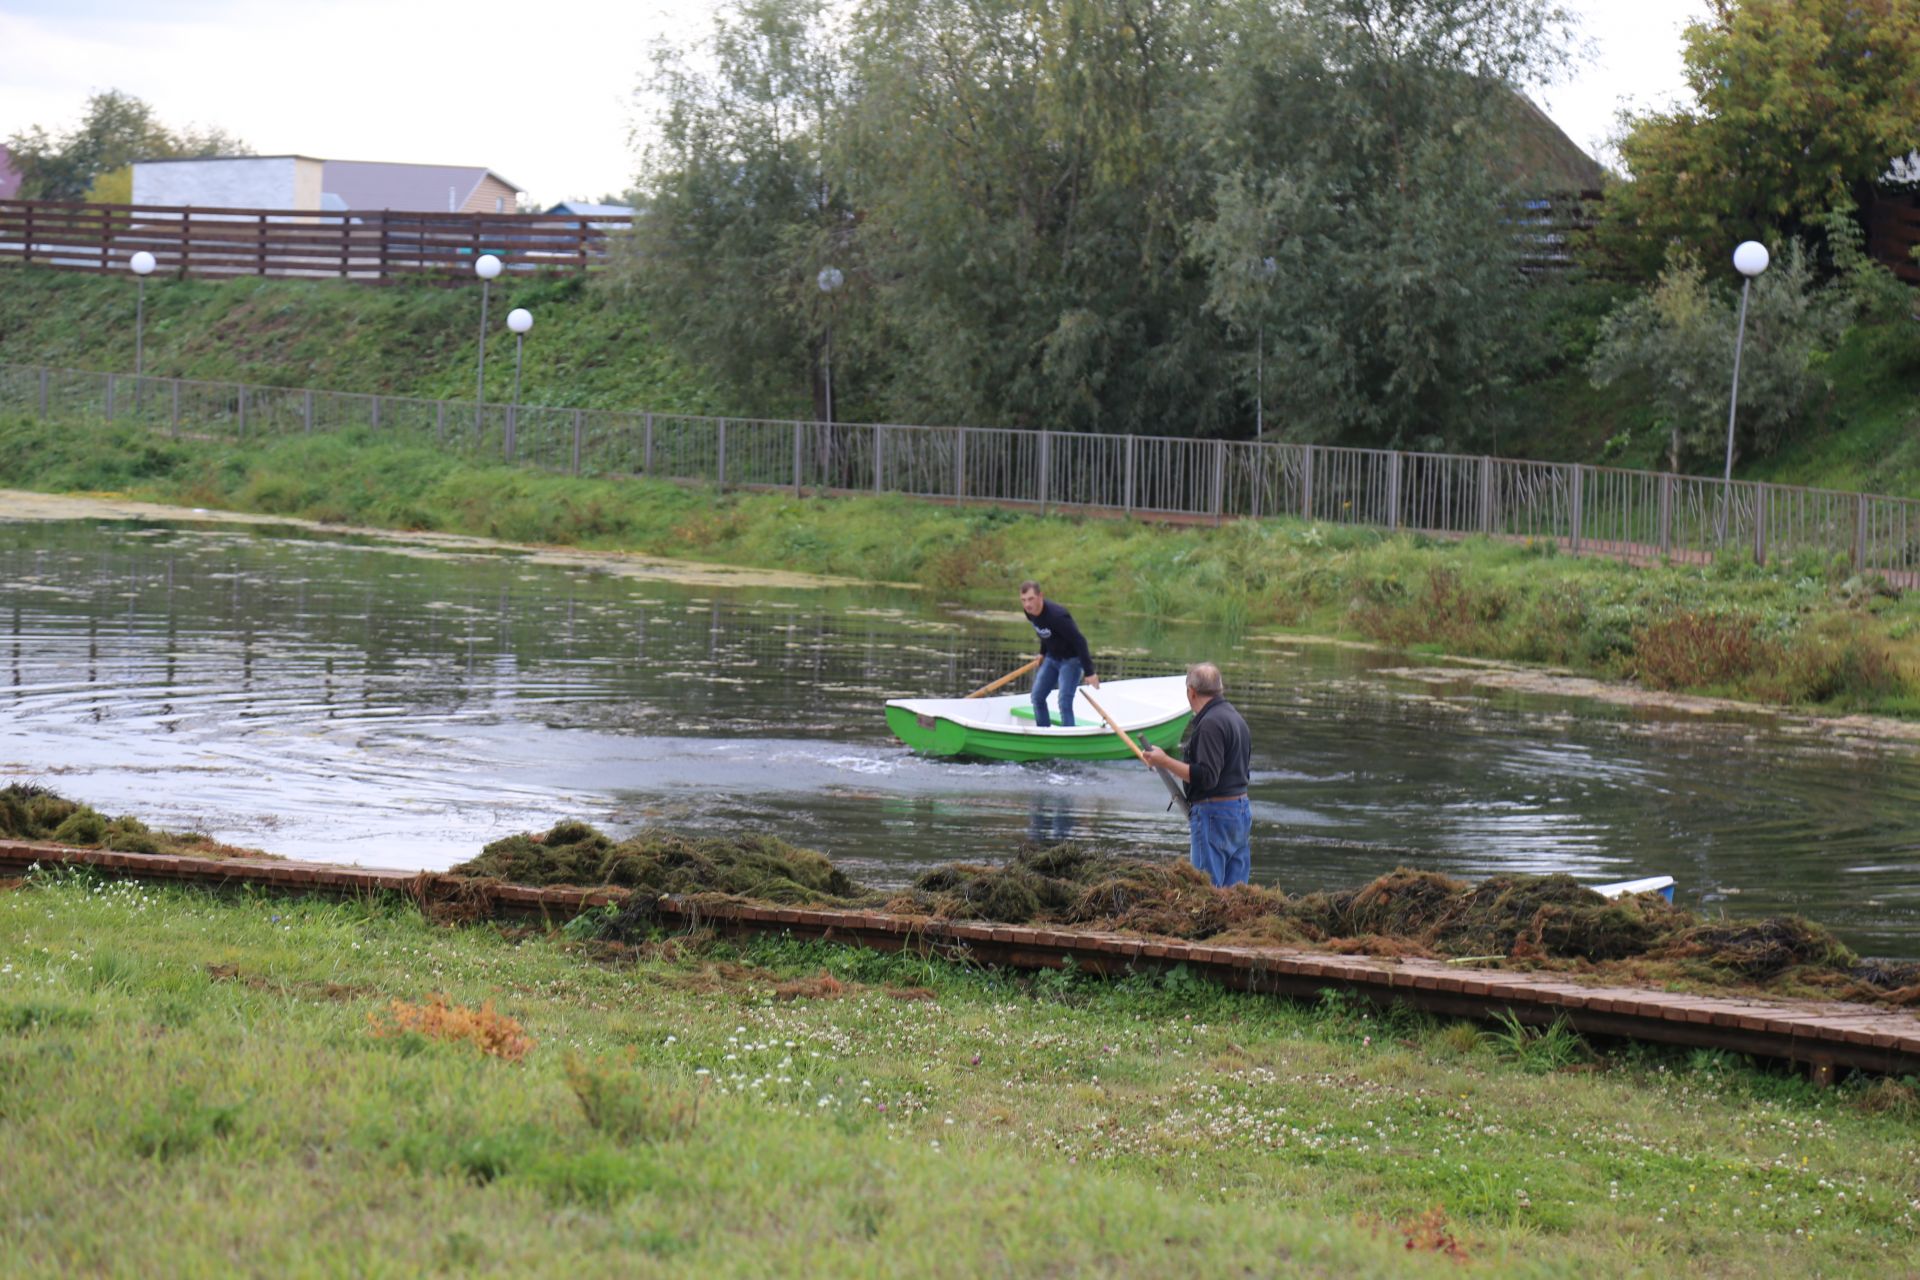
[396, 705]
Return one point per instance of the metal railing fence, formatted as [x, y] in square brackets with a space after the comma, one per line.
[1634, 515]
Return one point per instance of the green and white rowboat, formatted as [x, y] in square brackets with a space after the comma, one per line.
[1154, 711]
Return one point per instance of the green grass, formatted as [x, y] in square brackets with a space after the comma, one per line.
[192, 1084]
[1801, 632]
[589, 347]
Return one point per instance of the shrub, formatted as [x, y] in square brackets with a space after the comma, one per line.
[1689, 649]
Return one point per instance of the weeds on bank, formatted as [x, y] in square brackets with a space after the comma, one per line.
[493, 1034]
[1800, 630]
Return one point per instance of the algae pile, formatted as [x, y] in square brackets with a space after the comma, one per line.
[29, 812]
[1523, 920]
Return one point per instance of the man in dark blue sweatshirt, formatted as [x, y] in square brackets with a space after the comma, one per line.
[1064, 656]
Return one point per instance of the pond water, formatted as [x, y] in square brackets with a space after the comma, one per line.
[364, 700]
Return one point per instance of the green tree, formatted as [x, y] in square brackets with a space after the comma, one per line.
[1676, 342]
[738, 202]
[1364, 166]
[116, 130]
[1798, 105]
[1046, 209]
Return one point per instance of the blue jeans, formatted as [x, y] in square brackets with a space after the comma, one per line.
[1061, 673]
[1220, 829]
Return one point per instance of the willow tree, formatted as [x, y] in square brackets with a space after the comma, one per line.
[1046, 209]
[1362, 162]
[736, 193]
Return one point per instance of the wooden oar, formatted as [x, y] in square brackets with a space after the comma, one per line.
[1173, 787]
[1008, 678]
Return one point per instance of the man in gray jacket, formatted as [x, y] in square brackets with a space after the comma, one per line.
[1219, 761]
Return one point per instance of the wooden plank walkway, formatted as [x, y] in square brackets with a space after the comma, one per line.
[1824, 1036]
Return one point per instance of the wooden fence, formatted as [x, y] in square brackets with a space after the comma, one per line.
[1638, 516]
[369, 245]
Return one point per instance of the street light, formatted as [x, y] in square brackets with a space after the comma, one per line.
[486, 266]
[830, 279]
[520, 320]
[1265, 271]
[142, 264]
[1750, 259]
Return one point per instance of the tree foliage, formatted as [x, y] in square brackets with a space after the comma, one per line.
[95, 157]
[1676, 342]
[1061, 212]
[1798, 105]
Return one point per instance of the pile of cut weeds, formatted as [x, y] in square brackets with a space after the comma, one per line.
[29, 812]
[762, 868]
[1529, 921]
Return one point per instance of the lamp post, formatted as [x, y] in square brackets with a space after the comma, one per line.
[1750, 259]
[1265, 272]
[142, 264]
[830, 279]
[486, 266]
[520, 320]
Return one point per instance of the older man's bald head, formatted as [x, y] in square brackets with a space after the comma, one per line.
[1203, 678]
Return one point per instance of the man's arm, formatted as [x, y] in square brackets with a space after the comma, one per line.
[1081, 650]
[1161, 760]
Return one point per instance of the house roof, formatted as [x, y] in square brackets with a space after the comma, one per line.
[588, 209]
[291, 155]
[380, 184]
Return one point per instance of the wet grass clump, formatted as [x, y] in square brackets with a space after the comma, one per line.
[761, 867]
[29, 812]
[1542, 922]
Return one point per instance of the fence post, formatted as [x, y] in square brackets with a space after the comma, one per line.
[579, 430]
[879, 456]
[1129, 494]
[109, 397]
[646, 455]
[173, 422]
[960, 463]
[799, 444]
[1760, 524]
[1666, 514]
[1046, 467]
[43, 392]
[1257, 477]
[1393, 489]
[243, 411]
[509, 443]
[720, 462]
[1306, 482]
[439, 421]
[373, 411]
[1576, 503]
[306, 411]
[1860, 532]
[1486, 495]
[1219, 480]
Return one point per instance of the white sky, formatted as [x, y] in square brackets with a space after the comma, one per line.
[543, 96]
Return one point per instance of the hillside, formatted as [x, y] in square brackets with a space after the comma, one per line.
[591, 347]
[587, 348]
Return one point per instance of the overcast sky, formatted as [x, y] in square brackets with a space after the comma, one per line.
[543, 95]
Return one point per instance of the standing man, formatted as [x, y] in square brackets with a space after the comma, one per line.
[1064, 656]
[1219, 759]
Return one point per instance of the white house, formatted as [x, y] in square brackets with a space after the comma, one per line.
[303, 183]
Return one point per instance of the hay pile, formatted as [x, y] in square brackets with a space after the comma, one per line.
[760, 867]
[1532, 921]
[28, 812]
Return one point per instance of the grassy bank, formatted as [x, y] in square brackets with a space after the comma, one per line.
[589, 348]
[196, 1084]
[1804, 632]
